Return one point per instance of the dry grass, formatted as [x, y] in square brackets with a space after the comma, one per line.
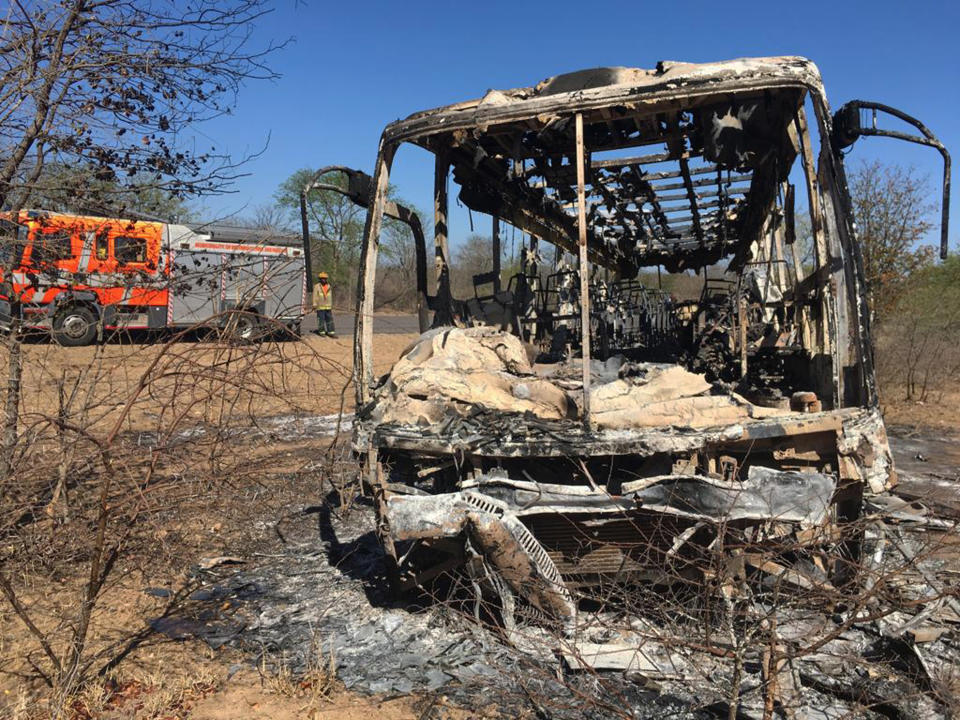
[315, 687]
[214, 496]
[310, 375]
[942, 411]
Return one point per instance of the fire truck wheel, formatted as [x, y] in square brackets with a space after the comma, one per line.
[244, 327]
[75, 326]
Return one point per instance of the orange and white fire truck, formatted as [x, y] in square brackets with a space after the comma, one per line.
[76, 274]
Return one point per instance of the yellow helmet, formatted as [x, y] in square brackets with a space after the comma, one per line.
[322, 276]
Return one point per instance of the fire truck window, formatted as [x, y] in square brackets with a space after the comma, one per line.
[101, 246]
[129, 249]
[51, 247]
[13, 240]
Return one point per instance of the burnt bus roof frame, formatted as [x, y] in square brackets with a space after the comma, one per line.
[671, 82]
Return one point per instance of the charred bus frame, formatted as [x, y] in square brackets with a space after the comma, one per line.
[540, 159]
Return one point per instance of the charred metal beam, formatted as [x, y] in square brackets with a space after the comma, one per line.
[740, 178]
[444, 308]
[516, 202]
[708, 192]
[677, 149]
[616, 203]
[701, 206]
[648, 192]
[620, 140]
[584, 271]
[495, 249]
[363, 332]
[358, 189]
[847, 128]
[568, 172]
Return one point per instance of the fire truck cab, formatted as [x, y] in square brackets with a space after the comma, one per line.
[79, 275]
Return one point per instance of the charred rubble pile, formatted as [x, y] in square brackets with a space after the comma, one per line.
[476, 435]
[323, 601]
[461, 373]
[888, 650]
[672, 566]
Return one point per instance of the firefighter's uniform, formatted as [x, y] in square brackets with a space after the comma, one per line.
[323, 304]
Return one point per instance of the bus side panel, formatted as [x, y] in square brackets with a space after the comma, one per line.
[194, 287]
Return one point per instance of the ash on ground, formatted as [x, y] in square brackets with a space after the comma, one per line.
[324, 595]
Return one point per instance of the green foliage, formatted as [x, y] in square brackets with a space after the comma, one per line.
[921, 352]
[335, 221]
[915, 303]
[336, 226]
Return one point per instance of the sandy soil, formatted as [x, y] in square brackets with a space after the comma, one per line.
[311, 376]
[128, 388]
[941, 411]
[247, 695]
[136, 387]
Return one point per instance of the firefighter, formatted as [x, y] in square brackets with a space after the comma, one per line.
[323, 304]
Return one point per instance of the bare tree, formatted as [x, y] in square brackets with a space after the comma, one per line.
[892, 209]
[473, 257]
[70, 189]
[919, 355]
[108, 89]
[109, 86]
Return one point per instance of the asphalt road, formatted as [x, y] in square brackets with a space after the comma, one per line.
[383, 324]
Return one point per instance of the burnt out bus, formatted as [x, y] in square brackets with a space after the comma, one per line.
[577, 426]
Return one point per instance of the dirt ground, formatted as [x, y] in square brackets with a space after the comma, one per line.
[941, 412]
[139, 391]
[136, 390]
[166, 678]
[198, 380]
[310, 376]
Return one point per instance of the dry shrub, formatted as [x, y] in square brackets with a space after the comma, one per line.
[125, 464]
[918, 344]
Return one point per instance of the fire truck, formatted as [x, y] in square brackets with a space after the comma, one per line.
[79, 276]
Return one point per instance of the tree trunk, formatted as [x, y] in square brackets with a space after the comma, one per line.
[11, 408]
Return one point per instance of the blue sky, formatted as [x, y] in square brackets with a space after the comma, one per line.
[354, 67]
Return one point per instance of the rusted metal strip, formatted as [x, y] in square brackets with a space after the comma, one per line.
[827, 341]
[363, 334]
[584, 271]
[443, 308]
